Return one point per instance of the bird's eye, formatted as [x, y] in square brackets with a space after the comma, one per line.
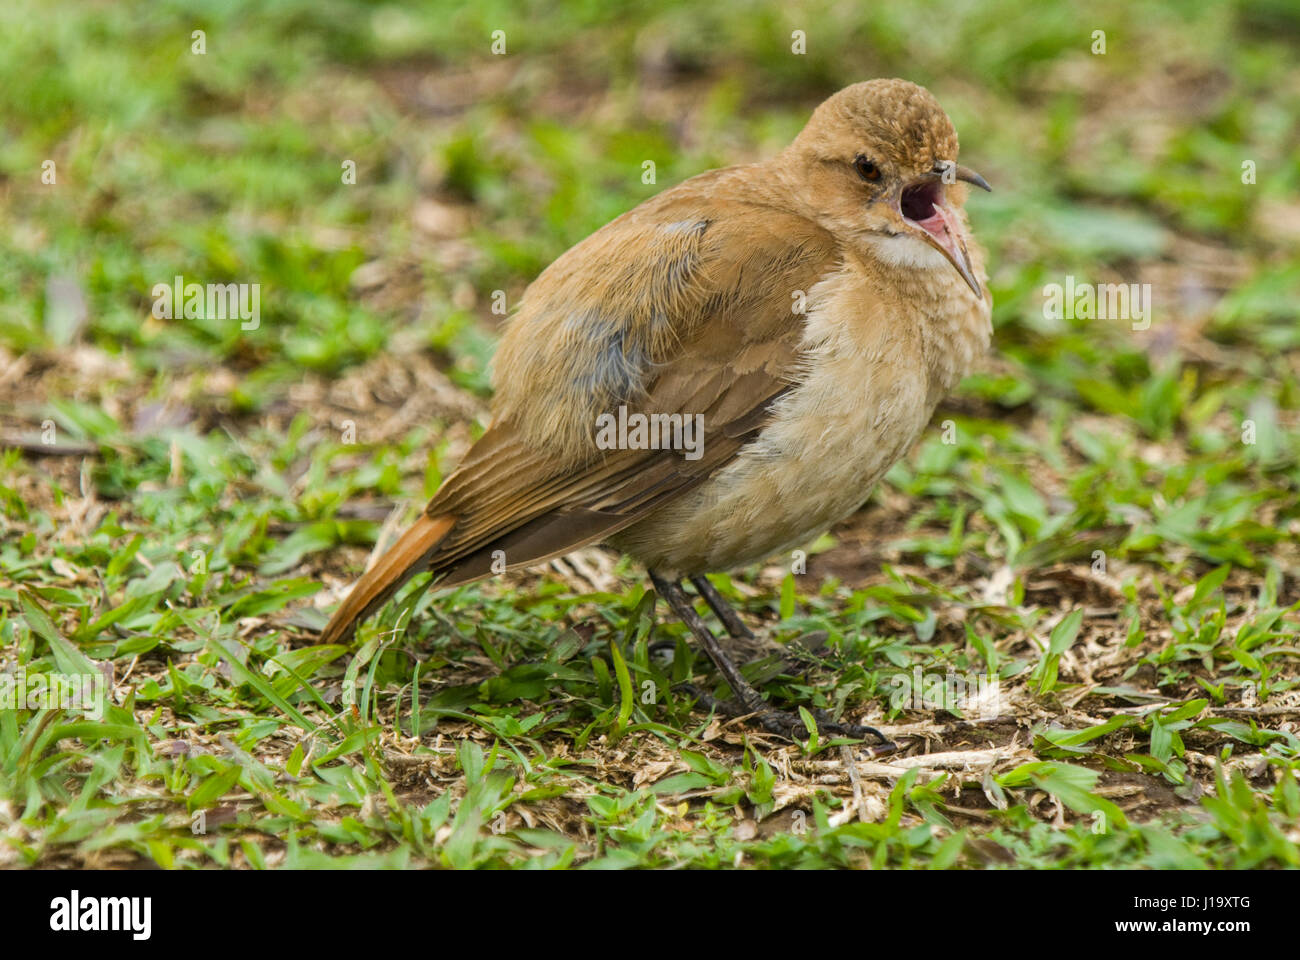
[866, 169]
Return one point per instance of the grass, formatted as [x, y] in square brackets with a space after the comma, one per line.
[1102, 519]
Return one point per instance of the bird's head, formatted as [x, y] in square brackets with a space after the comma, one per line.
[877, 165]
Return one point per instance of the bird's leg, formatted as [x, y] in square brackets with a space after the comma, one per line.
[730, 619]
[737, 630]
[681, 605]
[747, 699]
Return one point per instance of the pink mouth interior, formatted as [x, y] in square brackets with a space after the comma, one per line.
[920, 203]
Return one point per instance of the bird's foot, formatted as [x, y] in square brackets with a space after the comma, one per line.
[748, 701]
[791, 725]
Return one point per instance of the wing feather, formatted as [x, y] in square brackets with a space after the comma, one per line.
[681, 306]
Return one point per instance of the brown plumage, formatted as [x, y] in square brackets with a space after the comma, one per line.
[690, 304]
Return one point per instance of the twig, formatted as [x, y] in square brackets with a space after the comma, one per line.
[960, 760]
[859, 801]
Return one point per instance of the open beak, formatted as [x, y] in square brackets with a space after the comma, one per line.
[921, 204]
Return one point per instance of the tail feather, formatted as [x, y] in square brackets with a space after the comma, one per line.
[404, 559]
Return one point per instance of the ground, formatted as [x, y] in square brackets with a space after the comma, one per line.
[1100, 527]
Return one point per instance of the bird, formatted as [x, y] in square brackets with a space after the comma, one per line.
[722, 373]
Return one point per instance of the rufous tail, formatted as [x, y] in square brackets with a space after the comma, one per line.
[403, 560]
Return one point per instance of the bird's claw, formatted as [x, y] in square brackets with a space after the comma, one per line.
[791, 725]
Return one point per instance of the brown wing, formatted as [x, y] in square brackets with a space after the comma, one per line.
[683, 306]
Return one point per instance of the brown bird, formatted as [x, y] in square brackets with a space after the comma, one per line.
[723, 372]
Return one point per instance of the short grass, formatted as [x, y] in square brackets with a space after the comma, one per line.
[1105, 520]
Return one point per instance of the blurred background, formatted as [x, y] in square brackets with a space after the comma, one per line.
[393, 175]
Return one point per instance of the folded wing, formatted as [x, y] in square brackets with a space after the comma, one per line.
[686, 305]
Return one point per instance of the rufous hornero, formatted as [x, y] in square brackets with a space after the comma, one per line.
[784, 329]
